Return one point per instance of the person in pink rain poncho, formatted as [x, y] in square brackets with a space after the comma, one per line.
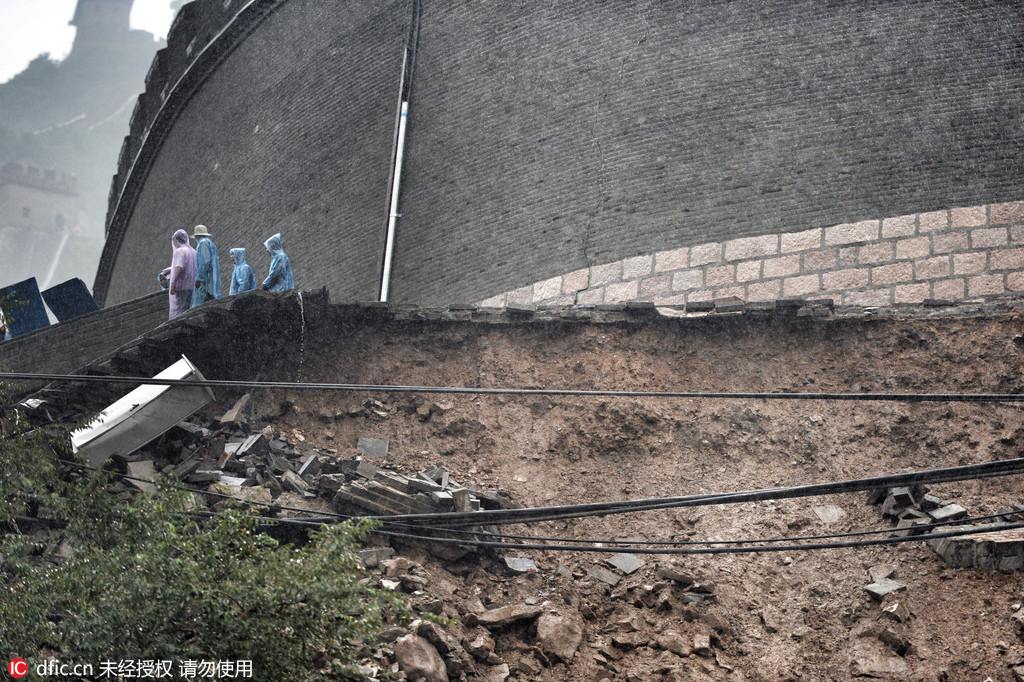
[181, 276]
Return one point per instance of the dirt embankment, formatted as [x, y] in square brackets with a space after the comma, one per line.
[793, 615]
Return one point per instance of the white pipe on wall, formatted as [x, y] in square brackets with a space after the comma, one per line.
[393, 213]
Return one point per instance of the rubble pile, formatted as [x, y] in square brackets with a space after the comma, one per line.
[913, 507]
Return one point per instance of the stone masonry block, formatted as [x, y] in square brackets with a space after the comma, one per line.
[879, 252]
[899, 226]
[730, 292]
[950, 242]
[764, 291]
[1012, 212]
[992, 236]
[688, 279]
[590, 296]
[969, 216]
[948, 289]
[932, 268]
[892, 274]
[930, 222]
[1007, 259]
[970, 263]
[548, 288]
[700, 296]
[603, 274]
[521, 296]
[852, 233]
[675, 259]
[705, 254]
[850, 278]
[653, 287]
[575, 281]
[751, 247]
[801, 286]
[674, 299]
[620, 292]
[873, 297]
[719, 275]
[985, 285]
[801, 241]
[1015, 281]
[637, 266]
[847, 256]
[913, 247]
[748, 271]
[782, 266]
[820, 259]
[911, 293]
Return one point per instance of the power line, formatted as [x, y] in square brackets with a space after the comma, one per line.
[514, 391]
[534, 514]
[598, 543]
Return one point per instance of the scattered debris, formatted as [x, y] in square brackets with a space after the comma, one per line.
[880, 588]
[829, 513]
[604, 575]
[520, 564]
[627, 563]
[375, 448]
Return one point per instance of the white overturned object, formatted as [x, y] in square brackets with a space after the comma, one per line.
[146, 413]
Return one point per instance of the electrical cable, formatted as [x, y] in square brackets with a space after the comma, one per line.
[533, 514]
[513, 391]
[608, 544]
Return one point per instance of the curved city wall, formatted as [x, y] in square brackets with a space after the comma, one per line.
[549, 140]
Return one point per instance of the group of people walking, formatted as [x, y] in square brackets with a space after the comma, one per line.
[194, 275]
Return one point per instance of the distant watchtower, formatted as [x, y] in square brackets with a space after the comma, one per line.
[100, 24]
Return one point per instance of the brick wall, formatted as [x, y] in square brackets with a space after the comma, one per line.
[546, 138]
[69, 345]
[958, 254]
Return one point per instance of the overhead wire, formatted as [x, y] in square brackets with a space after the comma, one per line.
[585, 544]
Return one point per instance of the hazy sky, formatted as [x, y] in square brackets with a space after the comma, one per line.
[31, 27]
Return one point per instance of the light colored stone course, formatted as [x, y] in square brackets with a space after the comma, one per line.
[879, 252]
[751, 247]
[950, 242]
[653, 287]
[782, 266]
[1007, 259]
[801, 241]
[748, 271]
[822, 259]
[985, 285]
[892, 274]
[688, 279]
[992, 236]
[970, 263]
[900, 226]
[948, 289]
[638, 266]
[548, 288]
[765, 291]
[1012, 212]
[971, 216]
[852, 233]
[620, 292]
[705, 254]
[719, 275]
[932, 268]
[935, 220]
[911, 293]
[603, 274]
[852, 278]
[672, 260]
[913, 247]
[576, 280]
[801, 286]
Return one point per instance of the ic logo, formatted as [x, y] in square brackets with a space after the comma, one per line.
[17, 668]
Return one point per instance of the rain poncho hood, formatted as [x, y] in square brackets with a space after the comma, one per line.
[181, 276]
[280, 276]
[242, 278]
[207, 272]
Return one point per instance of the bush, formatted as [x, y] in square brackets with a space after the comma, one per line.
[135, 578]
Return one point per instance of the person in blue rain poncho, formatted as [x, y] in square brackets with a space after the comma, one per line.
[280, 276]
[207, 268]
[242, 278]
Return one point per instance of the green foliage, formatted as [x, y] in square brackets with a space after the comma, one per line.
[138, 579]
